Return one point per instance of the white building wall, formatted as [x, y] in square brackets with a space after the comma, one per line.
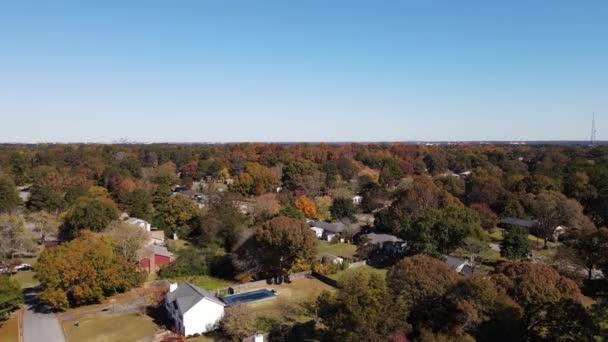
[203, 317]
[318, 231]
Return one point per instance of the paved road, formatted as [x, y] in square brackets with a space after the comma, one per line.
[39, 323]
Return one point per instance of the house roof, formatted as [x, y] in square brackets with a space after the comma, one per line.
[156, 250]
[157, 234]
[331, 227]
[187, 295]
[137, 221]
[454, 262]
[512, 221]
[382, 238]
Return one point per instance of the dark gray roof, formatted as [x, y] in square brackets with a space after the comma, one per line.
[454, 262]
[187, 295]
[512, 221]
[382, 238]
[330, 227]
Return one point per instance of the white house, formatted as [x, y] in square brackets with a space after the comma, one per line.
[318, 231]
[143, 224]
[357, 199]
[192, 309]
[461, 266]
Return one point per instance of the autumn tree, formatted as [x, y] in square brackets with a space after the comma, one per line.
[359, 310]
[553, 209]
[84, 271]
[9, 197]
[239, 322]
[535, 287]
[323, 204]
[265, 206]
[282, 242]
[515, 243]
[255, 180]
[306, 206]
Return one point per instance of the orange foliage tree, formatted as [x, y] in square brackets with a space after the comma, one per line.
[306, 206]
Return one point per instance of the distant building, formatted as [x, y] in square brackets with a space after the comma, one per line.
[387, 244]
[461, 266]
[192, 309]
[152, 257]
[330, 231]
[143, 224]
[357, 199]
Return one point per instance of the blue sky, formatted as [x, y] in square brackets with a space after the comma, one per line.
[218, 71]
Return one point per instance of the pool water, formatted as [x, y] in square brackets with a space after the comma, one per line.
[249, 297]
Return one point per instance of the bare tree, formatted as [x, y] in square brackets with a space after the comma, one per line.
[127, 240]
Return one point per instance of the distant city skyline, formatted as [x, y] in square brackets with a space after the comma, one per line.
[314, 71]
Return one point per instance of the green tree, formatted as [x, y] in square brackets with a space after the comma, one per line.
[11, 296]
[342, 208]
[281, 243]
[9, 197]
[189, 262]
[323, 205]
[359, 311]
[291, 211]
[441, 231]
[92, 213]
[176, 215]
[221, 224]
[515, 243]
[84, 271]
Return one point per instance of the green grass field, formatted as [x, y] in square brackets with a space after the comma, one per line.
[25, 279]
[110, 328]
[207, 282]
[298, 292]
[338, 249]
[366, 268]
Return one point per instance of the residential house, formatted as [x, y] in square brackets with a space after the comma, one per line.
[330, 258]
[531, 226]
[192, 309]
[200, 198]
[152, 257]
[357, 199]
[143, 224]
[156, 237]
[461, 266]
[330, 231]
[387, 244]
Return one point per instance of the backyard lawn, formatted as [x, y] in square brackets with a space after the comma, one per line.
[365, 268]
[208, 283]
[110, 328]
[293, 294]
[338, 249]
[25, 279]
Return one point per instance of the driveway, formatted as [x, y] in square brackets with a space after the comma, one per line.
[39, 322]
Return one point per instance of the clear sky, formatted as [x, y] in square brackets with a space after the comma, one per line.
[309, 70]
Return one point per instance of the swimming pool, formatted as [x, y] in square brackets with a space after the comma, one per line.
[249, 297]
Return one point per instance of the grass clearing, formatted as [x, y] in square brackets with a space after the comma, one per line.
[365, 268]
[207, 282]
[293, 294]
[110, 328]
[346, 250]
[25, 279]
[9, 330]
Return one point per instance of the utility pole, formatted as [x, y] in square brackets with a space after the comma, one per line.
[593, 130]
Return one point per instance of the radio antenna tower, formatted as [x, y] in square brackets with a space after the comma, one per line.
[593, 130]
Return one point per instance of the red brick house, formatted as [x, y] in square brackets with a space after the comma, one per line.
[153, 257]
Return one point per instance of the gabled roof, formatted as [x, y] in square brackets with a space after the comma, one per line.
[454, 262]
[512, 221]
[187, 295]
[382, 238]
[155, 250]
[330, 227]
